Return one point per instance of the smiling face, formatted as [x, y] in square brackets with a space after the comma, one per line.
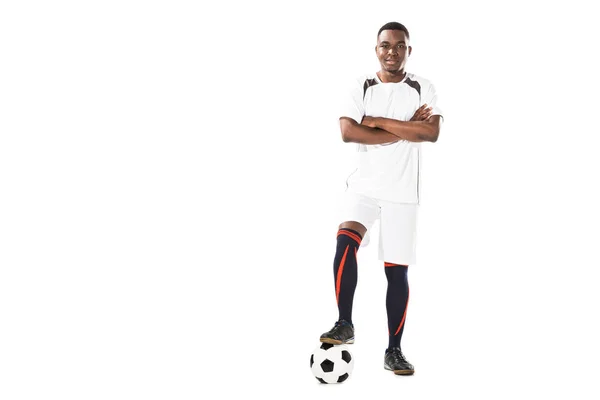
[392, 50]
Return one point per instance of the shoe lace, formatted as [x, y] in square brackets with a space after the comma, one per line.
[397, 356]
[338, 324]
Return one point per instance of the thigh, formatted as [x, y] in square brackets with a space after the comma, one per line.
[360, 209]
[398, 234]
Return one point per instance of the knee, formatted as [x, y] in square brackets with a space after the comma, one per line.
[396, 272]
[355, 226]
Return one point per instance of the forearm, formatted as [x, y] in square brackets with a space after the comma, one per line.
[362, 134]
[413, 131]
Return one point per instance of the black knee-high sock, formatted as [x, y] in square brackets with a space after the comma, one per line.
[345, 272]
[396, 301]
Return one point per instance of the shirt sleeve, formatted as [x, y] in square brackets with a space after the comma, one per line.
[431, 99]
[352, 104]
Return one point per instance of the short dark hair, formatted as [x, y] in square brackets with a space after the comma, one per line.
[395, 26]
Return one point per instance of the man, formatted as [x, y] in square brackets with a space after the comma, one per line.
[388, 115]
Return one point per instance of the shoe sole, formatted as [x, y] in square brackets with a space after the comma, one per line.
[334, 341]
[399, 371]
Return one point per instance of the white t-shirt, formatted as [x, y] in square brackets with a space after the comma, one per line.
[388, 171]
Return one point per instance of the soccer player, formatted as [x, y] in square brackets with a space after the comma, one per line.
[388, 114]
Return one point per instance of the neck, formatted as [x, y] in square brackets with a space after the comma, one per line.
[391, 76]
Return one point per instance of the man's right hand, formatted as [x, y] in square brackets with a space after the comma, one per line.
[422, 113]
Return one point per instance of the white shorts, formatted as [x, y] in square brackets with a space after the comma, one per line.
[397, 225]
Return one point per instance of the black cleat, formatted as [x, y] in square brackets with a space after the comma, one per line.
[394, 361]
[341, 333]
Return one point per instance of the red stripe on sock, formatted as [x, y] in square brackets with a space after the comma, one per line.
[338, 280]
[404, 316]
[388, 264]
[350, 234]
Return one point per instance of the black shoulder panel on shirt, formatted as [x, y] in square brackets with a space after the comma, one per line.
[368, 84]
[413, 84]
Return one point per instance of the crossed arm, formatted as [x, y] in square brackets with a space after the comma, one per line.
[422, 127]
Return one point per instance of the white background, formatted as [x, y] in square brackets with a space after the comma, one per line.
[169, 176]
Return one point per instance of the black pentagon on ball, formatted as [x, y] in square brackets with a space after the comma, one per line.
[346, 356]
[327, 366]
[343, 378]
[312, 360]
[326, 346]
[321, 380]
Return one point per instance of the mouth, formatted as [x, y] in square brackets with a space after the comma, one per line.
[392, 61]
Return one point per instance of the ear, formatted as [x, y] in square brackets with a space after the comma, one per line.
[409, 50]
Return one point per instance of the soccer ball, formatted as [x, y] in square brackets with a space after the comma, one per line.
[331, 363]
